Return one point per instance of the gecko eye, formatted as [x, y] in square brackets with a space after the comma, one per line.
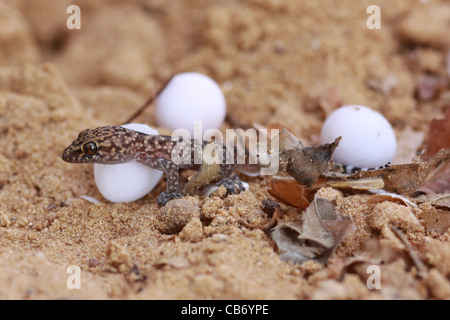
[89, 148]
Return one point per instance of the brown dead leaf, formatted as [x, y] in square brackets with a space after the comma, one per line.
[439, 183]
[436, 220]
[438, 138]
[447, 62]
[439, 135]
[304, 164]
[392, 197]
[441, 201]
[290, 192]
[422, 270]
[406, 178]
[361, 184]
[316, 237]
[307, 164]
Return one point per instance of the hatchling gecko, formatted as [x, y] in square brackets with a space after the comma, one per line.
[114, 145]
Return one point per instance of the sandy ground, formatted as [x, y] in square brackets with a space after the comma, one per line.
[278, 62]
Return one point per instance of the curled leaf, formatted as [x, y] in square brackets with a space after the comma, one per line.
[316, 237]
[439, 135]
[405, 178]
[361, 184]
[392, 197]
[307, 164]
[290, 192]
[439, 183]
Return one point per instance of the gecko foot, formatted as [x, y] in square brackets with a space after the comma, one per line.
[232, 184]
[167, 196]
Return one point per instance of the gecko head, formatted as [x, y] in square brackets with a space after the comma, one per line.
[107, 145]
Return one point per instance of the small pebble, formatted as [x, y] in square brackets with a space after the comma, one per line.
[368, 140]
[190, 97]
[127, 182]
[176, 214]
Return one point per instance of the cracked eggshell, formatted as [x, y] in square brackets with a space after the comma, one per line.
[368, 140]
[127, 182]
[190, 97]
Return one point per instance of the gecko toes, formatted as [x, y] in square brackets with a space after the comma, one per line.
[167, 196]
[233, 185]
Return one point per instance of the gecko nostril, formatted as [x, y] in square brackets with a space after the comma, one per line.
[65, 154]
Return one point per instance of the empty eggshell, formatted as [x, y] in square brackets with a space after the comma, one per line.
[190, 97]
[368, 140]
[129, 181]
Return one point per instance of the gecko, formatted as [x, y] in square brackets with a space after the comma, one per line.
[115, 145]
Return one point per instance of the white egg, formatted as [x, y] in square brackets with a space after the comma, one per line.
[190, 97]
[129, 181]
[368, 140]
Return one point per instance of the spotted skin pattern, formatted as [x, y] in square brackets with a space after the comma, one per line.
[114, 145]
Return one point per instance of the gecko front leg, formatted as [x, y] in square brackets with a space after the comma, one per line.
[172, 175]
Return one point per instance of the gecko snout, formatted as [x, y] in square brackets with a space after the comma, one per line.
[73, 155]
[67, 155]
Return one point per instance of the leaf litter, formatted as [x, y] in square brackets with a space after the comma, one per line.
[321, 229]
[316, 236]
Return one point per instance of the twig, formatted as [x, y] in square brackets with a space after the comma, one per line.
[422, 271]
[149, 101]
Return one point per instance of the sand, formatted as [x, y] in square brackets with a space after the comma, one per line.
[281, 63]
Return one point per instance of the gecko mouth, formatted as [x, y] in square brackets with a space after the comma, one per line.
[74, 156]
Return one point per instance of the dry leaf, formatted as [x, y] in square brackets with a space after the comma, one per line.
[406, 178]
[307, 164]
[316, 237]
[374, 252]
[447, 62]
[438, 138]
[439, 183]
[422, 270]
[436, 220]
[361, 184]
[392, 197]
[290, 192]
[441, 201]
[439, 135]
